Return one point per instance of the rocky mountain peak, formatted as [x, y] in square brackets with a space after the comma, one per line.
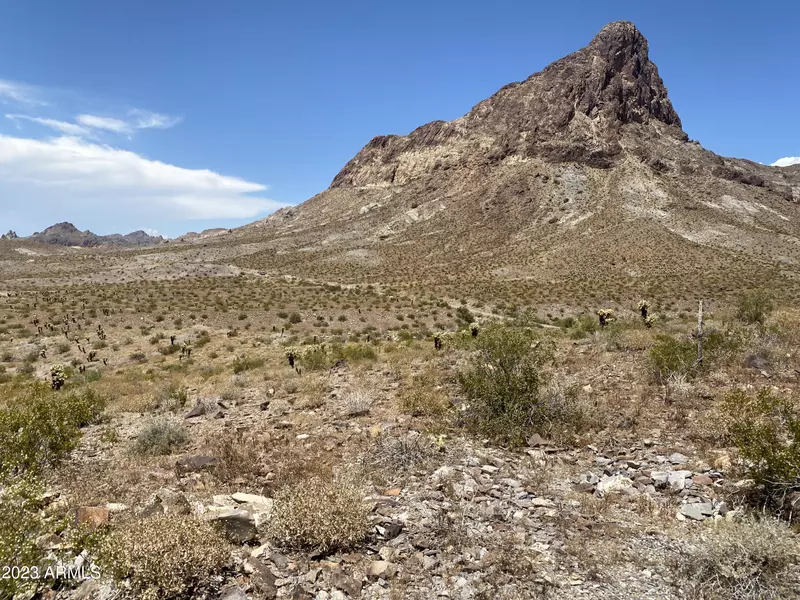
[571, 111]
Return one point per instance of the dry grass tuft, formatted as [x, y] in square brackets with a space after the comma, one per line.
[751, 560]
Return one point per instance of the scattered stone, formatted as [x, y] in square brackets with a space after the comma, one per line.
[232, 592]
[192, 464]
[615, 483]
[677, 479]
[678, 459]
[92, 516]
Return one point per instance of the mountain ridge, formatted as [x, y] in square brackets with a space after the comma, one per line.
[66, 234]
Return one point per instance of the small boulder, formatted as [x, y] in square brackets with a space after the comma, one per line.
[237, 526]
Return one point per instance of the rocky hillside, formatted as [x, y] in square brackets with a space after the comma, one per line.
[580, 172]
[66, 234]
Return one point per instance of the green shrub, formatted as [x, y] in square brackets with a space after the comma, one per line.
[503, 381]
[41, 426]
[583, 326]
[315, 358]
[165, 556]
[320, 514]
[161, 437]
[754, 307]
[672, 355]
[765, 427]
[295, 318]
[354, 353]
[677, 355]
[244, 363]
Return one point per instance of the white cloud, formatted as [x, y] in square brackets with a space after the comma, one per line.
[70, 175]
[107, 123]
[787, 161]
[60, 126]
[146, 119]
[19, 93]
[150, 231]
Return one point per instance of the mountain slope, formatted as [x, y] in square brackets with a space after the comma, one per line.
[578, 178]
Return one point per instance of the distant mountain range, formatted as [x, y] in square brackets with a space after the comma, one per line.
[66, 234]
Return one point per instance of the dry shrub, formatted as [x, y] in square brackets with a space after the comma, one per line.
[751, 560]
[320, 514]
[242, 456]
[161, 437]
[357, 402]
[394, 454]
[425, 397]
[165, 556]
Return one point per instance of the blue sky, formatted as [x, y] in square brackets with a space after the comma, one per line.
[185, 115]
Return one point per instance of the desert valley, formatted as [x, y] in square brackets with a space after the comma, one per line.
[471, 368]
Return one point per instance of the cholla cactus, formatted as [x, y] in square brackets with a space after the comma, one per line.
[606, 315]
[313, 349]
[58, 377]
[437, 340]
[291, 355]
[649, 320]
[473, 327]
[644, 307]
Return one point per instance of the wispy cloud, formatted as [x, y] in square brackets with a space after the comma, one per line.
[60, 126]
[106, 123]
[145, 119]
[68, 173]
[20, 93]
[787, 161]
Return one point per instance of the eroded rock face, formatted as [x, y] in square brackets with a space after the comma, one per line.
[572, 111]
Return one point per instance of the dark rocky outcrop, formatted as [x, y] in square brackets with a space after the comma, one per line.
[572, 111]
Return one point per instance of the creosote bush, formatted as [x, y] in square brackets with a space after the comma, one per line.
[677, 355]
[323, 514]
[165, 556]
[750, 560]
[765, 427]
[502, 384]
[754, 308]
[42, 425]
